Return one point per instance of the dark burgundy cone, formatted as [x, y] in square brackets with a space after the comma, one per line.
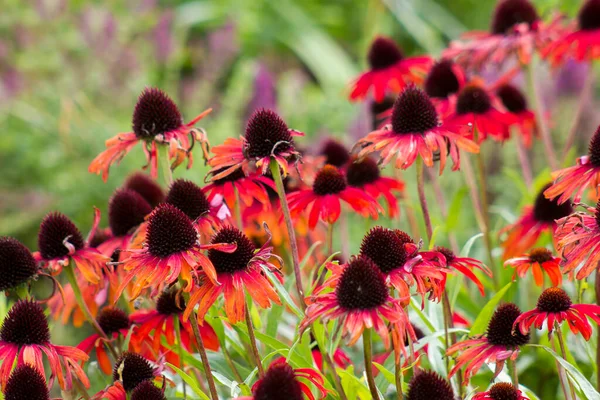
[503, 391]
[428, 385]
[189, 198]
[267, 134]
[25, 324]
[231, 262]
[473, 99]
[170, 231]
[279, 383]
[509, 13]
[26, 383]
[441, 81]
[127, 209]
[545, 210]
[155, 114]
[594, 149]
[500, 328]
[112, 320]
[335, 153]
[132, 369]
[169, 303]
[385, 248]
[147, 391]
[146, 187]
[512, 98]
[361, 173]
[413, 112]
[554, 300]
[329, 180]
[383, 53]
[17, 264]
[54, 229]
[589, 16]
[361, 286]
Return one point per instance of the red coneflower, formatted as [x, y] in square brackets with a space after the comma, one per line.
[130, 371]
[63, 305]
[249, 187]
[17, 264]
[555, 306]
[501, 391]
[60, 242]
[26, 382]
[516, 104]
[25, 338]
[516, 32]
[148, 391]
[156, 121]
[534, 220]
[478, 108]
[445, 80]
[427, 385]
[161, 320]
[574, 180]
[360, 300]
[396, 256]
[578, 239]
[539, 260]
[114, 323]
[365, 174]
[266, 136]
[581, 44]
[415, 130]
[146, 187]
[190, 198]
[389, 70]
[335, 153]
[281, 381]
[499, 344]
[323, 199]
[237, 272]
[464, 265]
[171, 252]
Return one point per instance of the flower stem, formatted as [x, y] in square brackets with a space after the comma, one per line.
[238, 210]
[202, 350]
[276, 173]
[561, 372]
[541, 121]
[512, 369]
[22, 291]
[563, 353]
[70, 272]
[329, 239]
[423, 199]
[584, 98]
[523, 160]
[163, 157]
[369, 363]
[179, 348]
[399, 377]
[261, 371]
[331, 365]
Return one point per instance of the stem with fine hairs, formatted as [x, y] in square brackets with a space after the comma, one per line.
[179, 348]
[512, 369]
[276, 173]
[202, 350]
[423, 199]
[163, 158]
[261, 371]
[369, 363]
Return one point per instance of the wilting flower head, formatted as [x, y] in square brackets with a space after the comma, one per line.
[388, 70]
[281, 381]
[238, 272]
[17, 265]
[159, 323]
[365, 174]
[25, 338]
[60, 242]
[156, 121]
[501, 391]
[534, 220]
[464, 265]
[328, 189]
[360, 300]
[479, 108]
[539, 260]
[581, 43]
[267, 136]
[572, 181]
[146, 187]
[577, 239]
[555, 306]
[190, 198]
[415, 131]
[26, 382]
[445, 79]
[114, 323]
[171, 252]
[515, 102]
[499, 343]
[427, 385]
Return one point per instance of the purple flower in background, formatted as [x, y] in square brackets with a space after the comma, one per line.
[163, 37]
[98, 29]
[264, 92]
[571, 77]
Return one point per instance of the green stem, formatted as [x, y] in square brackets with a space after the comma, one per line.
[423, 199]
[512, 369]
[179, 348]
[369, 363]
[399, 377]
[276, 173]
[202, 350]
[70, 272]
[22, 291]
[261, 371]
[331, 365]
[238, 211]
[163, 158]
[563, 353]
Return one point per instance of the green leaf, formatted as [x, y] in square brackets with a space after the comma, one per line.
[389, 375]
[190, 381]
[309, 253]
[283, 293]
[455, 209]
[486, 312]
[467, 248]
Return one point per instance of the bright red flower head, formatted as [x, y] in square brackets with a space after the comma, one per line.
[539, 260]
[389, 70]
[323, 199]
[156, 121]
[555, 306]
[516, 104]
[464, 265]
[501, 391]
[415, 130]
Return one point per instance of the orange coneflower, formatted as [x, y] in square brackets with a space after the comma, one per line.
[499, 344]
[25, 338]
[250, 187]
[582, 43]
[574, 180]
[266, 136]
[281, 381]
[501, 391]
[156, 121]
[534, 220]
[464, 265]
[323, 198]
[539, 260]
[416, 131]
[554, 306]
[360, 300]
[389, 70]
[237, 272]
[171, 251]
